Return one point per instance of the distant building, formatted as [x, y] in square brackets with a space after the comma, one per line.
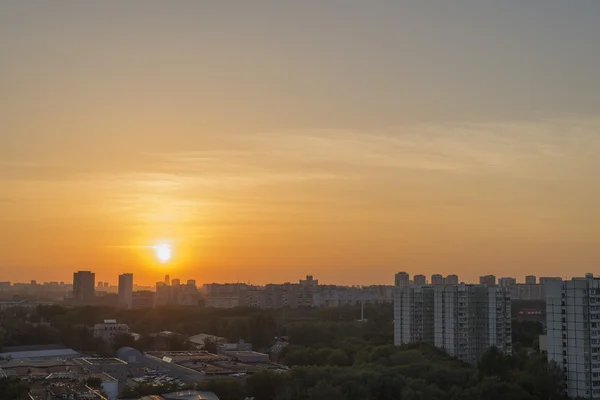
[544, 280]
[177, 294]
[527, 292]
[437, 280]
[573, 333]
[4, 286]
[83, 287]
[402, 280]
[223, 295]
[126, 291]
[464, 320]
[110, 329]
[167, 280]
[420, 280]
[23, 304]
[451, 280]
[506, 282]
[530, 280]
[487, 280]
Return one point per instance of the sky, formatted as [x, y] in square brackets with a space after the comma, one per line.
[267, 140]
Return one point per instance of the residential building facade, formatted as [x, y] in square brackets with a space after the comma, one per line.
[573, 333]
[464, 320]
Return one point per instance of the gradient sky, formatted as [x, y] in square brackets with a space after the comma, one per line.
[270, 139]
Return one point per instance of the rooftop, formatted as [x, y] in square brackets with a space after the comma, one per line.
[199, 338]
[37, 354]
[44, 368]
[41, 390]
[102, 361]
[190, 355]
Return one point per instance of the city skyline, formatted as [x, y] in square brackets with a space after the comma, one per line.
[267, 140]
[414, 279]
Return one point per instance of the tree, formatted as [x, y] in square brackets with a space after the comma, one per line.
[94, 382]
[264, 385]
[211, 345]
[123, 340]
[12, 388]
[494, 363]
[325, 391]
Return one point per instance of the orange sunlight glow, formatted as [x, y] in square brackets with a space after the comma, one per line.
[163, 252]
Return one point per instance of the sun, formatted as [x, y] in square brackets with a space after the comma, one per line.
[163, 252]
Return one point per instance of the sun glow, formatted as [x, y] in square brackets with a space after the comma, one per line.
[163, 252]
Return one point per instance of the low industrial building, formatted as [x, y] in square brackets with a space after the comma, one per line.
[34, 353]
[185, 395]
[201, 338]
[248, 356]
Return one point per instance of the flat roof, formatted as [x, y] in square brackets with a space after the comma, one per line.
[199, 338]
[102, 360]
[178, 356]
[40, 354]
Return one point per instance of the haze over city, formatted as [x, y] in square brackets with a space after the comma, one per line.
[262, 141]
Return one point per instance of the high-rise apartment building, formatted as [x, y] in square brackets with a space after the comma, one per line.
[464, 320]
[545, 279]
[402, 279]
[451, 280]
[530, 280]
[573, 333]
[437, 280]
[506, 282]
[126, 291]
[167, 280]
[488, 280]
[420, 280]
[83, 287]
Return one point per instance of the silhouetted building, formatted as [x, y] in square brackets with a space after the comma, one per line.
[420, 280]
[83, 287]
[142, 299]
[126, 291]
[402, 280]
[451, 280]
[506, 282]
[530, 280]
[488, 280]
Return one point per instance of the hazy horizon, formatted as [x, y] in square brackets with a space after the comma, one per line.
[267, 140]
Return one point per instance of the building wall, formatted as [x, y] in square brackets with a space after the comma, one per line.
[573, 333]
[108, 331]
[126, 291]
[464, 320]
[84, 287]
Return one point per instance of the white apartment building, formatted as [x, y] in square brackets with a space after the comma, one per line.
[110, 329]
[573, 333]
[464, 320]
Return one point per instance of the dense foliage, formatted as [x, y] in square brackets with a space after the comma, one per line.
[332, 355]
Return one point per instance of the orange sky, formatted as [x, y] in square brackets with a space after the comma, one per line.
[269, 142]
